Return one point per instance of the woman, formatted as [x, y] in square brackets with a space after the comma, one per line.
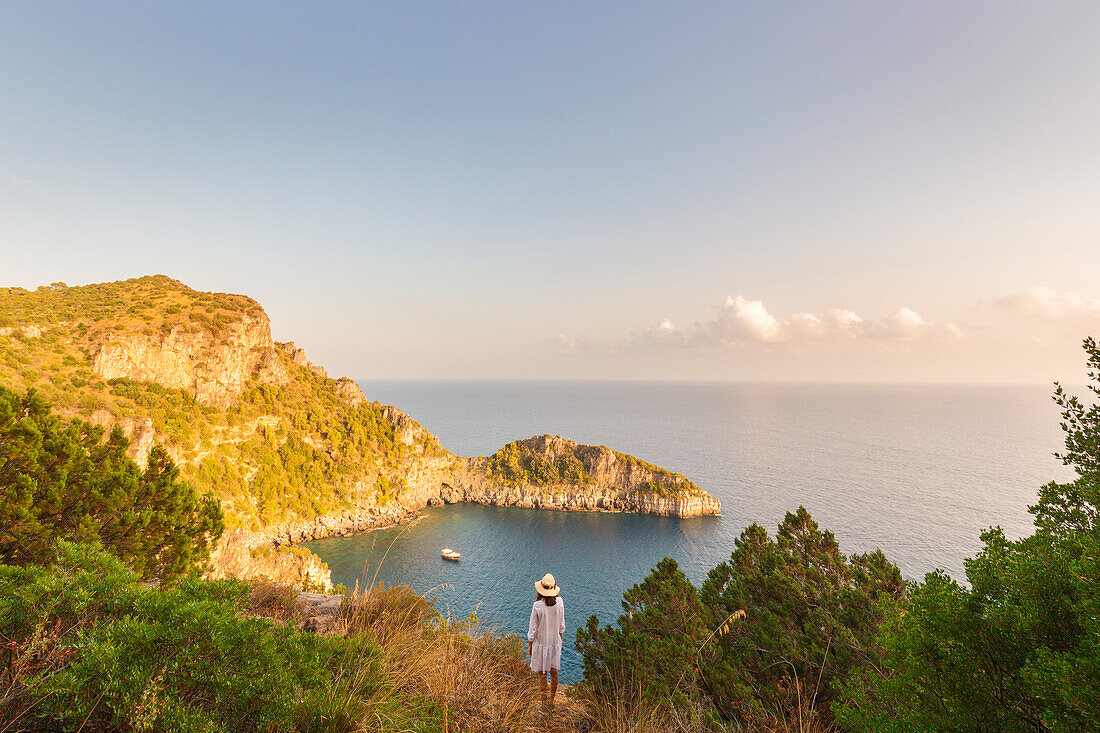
[545, 632]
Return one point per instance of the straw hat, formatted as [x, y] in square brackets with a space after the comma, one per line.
[547, 586]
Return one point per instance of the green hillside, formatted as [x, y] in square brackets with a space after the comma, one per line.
[285, 449]
[278, 450]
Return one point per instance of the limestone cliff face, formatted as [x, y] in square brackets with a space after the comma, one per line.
[299, 357]
[350, 392]
[251, 556]
[573, 497]
[615, 482]
[213, 366]
[139, 431]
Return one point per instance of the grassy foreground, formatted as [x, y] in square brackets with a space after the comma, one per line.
[88, 646]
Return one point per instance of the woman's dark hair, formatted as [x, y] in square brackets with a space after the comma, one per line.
[548, 600]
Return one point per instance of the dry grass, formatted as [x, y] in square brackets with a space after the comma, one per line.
[627, 711]
[276, 601]
[479, 679]
[798, 711]
[480, 682]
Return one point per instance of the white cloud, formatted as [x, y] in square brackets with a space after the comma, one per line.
[570, 345]
[1049, 304]
[901, 323]
[907, 318]
[740, 316]
[807, 325]
[842, 319]
[740, 320]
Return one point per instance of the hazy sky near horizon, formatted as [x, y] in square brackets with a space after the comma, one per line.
[797, 191]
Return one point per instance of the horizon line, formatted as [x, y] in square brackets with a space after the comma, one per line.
[746, 382]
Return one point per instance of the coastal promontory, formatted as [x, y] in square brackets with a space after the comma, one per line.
[290, 453]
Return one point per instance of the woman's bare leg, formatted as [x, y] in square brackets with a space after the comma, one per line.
[553, 684]
[542, 685]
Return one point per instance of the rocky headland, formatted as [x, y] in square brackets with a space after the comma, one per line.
[292, 454]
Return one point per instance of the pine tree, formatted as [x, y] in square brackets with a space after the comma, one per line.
[810, 617]
[653, 649]
[64, 480]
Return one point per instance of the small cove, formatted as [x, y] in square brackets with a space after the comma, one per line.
[916, 470]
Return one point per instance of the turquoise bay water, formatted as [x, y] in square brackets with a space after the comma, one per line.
[918, 471]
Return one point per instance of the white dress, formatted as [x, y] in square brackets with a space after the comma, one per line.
[545, 633]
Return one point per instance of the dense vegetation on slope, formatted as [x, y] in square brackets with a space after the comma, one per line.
[277, 452]
[53, 332]
[144, 305]
[62, 480]
[92, 647]
[520, 462]
[516, 463]
[306, 452]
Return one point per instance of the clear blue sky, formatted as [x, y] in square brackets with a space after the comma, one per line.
[578, 190]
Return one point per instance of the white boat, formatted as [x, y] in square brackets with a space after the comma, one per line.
[449, 554]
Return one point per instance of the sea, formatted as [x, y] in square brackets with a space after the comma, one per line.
[915, 470]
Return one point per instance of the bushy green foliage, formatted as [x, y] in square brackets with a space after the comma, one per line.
[109, 301]
[1019, 650]
[301, 435]
[63, 480]
[571, 470]
[811, 616]
[89, 647]
[518, 463]
[655, 646]
[663, 489]
[322, 460]
[509, 464]
[781, 614]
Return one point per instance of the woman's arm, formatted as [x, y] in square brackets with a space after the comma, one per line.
[561, 615]
[532, 628]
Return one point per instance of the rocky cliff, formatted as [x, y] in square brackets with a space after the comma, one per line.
[290, 453]
[214, 367]
[253, 556]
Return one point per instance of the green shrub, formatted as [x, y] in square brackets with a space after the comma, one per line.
[573, 471]
[63, 480]
[663, 489]
[654, 647]
[92, 648]
[541, 471]
[784, 617]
